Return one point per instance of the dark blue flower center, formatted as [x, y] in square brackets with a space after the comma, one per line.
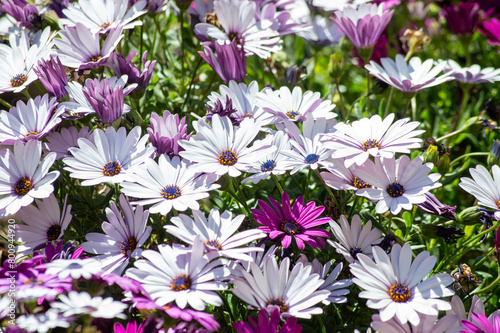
[292, 114]
[355, 251]
[23, 186]
[95, 58]
[128, 244]
[290, 227]
[171, 192]
[53, 232]
[370, 143]
[247, 115]
[395, 190]
[311, 158]
[359, 183]
[399, 293]
[180, 282]
[105, 25]
[279, 302]
[74, 265]
[111, 169]
[228, 157]
[18, 80]
[33, 281]
[214, 243]
[268, 166]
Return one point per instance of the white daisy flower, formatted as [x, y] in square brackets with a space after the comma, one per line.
[376, 137]
[242, 100]
[484, 187]
[392, 284]
[273, 163]
[398, 184]
[353, 240]
[110, 156]
[322, 32]
[103, 15]
[6, 304]
[294, 292]
[184, 275]
[81, 49]
[67, 138]
[170, 183]
[20, 58]
[294, 105]
[473, 74]
[408, 77]
[123, 237]
[309, 151]
[337, 289]
[222, 149]
[76, 268]
[83, 304]
[236, 266]
[329, 5]
[217, 232]
[23, 178]
[42, 322]
[427, 324]
[341, 178]
[238, 21]
[44, 223]
[29, 121]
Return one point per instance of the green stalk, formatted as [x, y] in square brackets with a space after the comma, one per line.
[389, 102]
[342, 107]
[275, 179]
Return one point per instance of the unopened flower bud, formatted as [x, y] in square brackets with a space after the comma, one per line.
[494, 157]
[469, 216]
[431, 155]
[336, 65]
[444, 165]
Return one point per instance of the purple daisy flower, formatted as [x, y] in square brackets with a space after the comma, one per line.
[124, 66]
[292, 223]
[266, 324]
[463, 18]
[166, 131]
[52, 75]
[481, 324]
[227, 60]
[363, 26]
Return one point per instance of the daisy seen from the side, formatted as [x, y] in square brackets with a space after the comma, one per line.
[353, 238]
[109, 157]
[23, 177]
[294, 292]
[76, 303]
[123, 237]
[485, 187]
[372, 137]
[222, 148]
[59, 142]
[218, 233]
[170, 183]
[397, 184]
[181, 275]
[392, 284]
[44, 223]
[297, 223]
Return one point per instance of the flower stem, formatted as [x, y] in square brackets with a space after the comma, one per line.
[367, 107]
[463, 104]
[4, 103]
[342, 107]
[406, 107]
[328, 189]
[275, 179]
[389, 102]
[244, 199]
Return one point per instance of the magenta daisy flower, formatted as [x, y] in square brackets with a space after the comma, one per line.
[481, 324]
[290, 223]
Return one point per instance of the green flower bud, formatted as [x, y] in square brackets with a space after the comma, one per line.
[494, 157]
[469, 216]
[429, 230]
[444, 165]
[431, 155]
[336, 65]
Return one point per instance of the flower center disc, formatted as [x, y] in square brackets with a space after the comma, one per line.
[111, 169]
[359, 183]
[31, 133]
[399, 293]
[105, 25]
[74, 265]
[23, 186]
[370, 143]
[18, 80]
[95, 58]
[128, 244]
[228, 157]
[395, 190]
[498, 204]
[215, 244]
[268, 166]
[53, 232]
[290, 227]
[171, 192]
[247, 115]
[292, 114]
[355, 251]
[279, 302]
[311, 158]
[33, 281]
[180, 282]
